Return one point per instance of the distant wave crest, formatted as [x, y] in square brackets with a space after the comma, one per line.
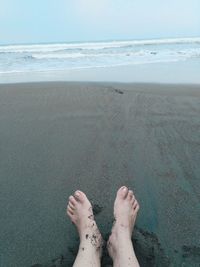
[93, 45]
[47, 57]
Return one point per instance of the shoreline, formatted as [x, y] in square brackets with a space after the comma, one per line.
[185, 72]
[155, 86]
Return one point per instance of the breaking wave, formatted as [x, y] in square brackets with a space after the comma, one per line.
[45, 57]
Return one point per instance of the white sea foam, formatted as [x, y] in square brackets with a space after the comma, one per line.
[89, 67]
[93, 45]
[82, 55]
[49, 57]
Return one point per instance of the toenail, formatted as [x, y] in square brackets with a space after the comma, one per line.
[124, 188]
[77, 193]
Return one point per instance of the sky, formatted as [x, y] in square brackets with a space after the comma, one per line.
[47, 21]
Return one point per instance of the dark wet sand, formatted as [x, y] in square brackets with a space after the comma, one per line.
[59, 137]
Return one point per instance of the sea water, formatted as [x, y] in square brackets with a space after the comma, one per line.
[32, 58]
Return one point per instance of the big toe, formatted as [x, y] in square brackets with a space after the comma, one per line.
[122, 192]
[80, 196]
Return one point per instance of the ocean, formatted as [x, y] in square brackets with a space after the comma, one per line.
[32, 58]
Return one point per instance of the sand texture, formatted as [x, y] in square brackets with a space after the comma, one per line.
[59, 137]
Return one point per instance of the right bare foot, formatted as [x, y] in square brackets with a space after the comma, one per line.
[80, 212]
[120, 246]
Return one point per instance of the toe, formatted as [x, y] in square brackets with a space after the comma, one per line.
[135, 204]
[137, 208]
[70, 210]
[72, 200]
[130, 194]
[122, 192]
[133, 200]
[70, 214]
[71, 206]
[80, 196]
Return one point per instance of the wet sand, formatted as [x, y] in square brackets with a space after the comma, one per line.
[59, 137]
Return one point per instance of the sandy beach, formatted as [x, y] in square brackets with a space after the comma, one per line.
[57, 137]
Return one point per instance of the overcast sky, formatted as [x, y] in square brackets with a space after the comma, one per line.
[39, 21]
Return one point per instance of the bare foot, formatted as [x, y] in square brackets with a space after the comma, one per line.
[80, 212]
[120, 245]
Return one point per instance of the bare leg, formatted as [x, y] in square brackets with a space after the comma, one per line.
[80, 212]
[120, 246]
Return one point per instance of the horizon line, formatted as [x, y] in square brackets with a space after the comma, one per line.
[100, 41]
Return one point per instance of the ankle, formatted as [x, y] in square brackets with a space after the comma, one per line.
[89, 246]
[91, 237]
[122, 232]
[87, 229]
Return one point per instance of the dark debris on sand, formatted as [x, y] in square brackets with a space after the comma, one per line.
[116, 90]
[148, 249]
[119, 91]
[191, 256]
[96, 208]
